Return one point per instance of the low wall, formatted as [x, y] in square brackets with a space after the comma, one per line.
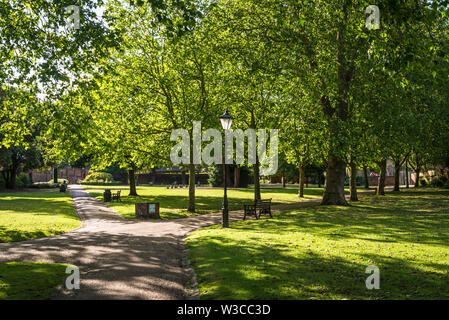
[73, 175]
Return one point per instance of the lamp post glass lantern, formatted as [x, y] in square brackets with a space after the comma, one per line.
[226, 122]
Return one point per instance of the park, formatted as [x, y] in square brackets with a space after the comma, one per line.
[224, 150]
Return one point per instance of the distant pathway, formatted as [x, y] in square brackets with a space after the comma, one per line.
[122, 259]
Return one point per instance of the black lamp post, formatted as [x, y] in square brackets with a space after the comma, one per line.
[226, 122]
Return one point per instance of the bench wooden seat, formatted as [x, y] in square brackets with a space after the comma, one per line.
[257, 208]
[116, 196]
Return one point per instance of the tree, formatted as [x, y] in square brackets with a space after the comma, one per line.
[38, 50]
[302, 135]
[163, 78]
[328, 47]
[19, 158]
[250, 76]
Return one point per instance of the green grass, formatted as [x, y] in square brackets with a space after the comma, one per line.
[30, 280]
[322, 252]
[174, 202]
[30, 215]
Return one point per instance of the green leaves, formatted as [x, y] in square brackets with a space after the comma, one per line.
[311, 69]
[37, 54]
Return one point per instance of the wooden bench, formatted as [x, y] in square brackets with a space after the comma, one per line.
[116, 196]
[257, 208]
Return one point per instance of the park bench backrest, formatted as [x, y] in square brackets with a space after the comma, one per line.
[263, 203]
[259, 204]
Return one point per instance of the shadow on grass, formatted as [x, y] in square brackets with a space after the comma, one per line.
[11, 235]
[321, 252]
[233, 270]
[30, 281]
[416, 217]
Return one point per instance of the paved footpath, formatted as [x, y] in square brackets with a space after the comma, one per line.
[118, 258]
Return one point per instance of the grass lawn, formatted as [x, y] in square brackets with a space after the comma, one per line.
[30, 280]
[173, 202]
[29, 215]
[322, 252]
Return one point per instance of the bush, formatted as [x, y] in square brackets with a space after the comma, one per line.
[439, 182]
[101, 183]
[22, 180]
[446, 185]
[215, 175]
[99, 176]
[423, 182]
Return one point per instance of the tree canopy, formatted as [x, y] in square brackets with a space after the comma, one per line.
[343, 94]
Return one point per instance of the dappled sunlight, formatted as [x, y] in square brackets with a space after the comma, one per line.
[321, 252]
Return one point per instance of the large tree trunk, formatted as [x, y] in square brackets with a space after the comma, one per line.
[334, 187]
[353, 182]
[365, 174]
[236, 177]
[383, 172]
[337, 114]
[397, 170]
[132, 182]
[191, 207]
[55, 175]
[302, 171]
[283, 181]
